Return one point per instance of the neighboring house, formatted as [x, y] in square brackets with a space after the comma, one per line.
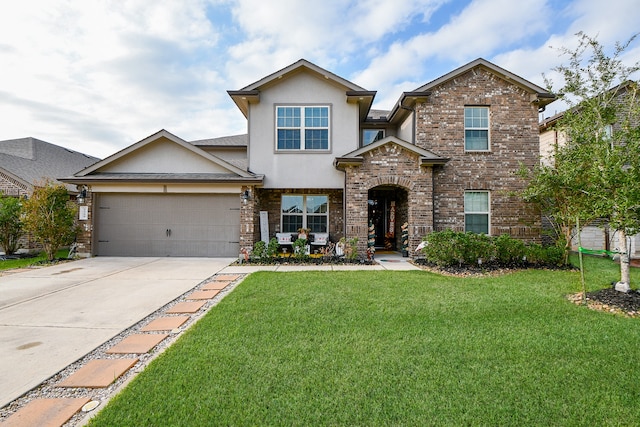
[28, 162]
[317, 157]
[596, 235]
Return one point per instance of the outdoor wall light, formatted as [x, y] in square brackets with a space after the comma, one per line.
[246, 195]
[82, 195]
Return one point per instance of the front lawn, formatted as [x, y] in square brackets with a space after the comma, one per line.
[395, 348]
[40, 259]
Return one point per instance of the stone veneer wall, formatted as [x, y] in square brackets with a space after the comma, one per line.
[514, 140]
[84, 239]
[390, 165]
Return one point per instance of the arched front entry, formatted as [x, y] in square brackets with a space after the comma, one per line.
[387, 212]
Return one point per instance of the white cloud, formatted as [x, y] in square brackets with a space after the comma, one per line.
[103, 71]
[480, 29]
[98, 76]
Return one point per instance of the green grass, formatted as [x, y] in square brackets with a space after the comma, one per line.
[26, 262]
[395, 348]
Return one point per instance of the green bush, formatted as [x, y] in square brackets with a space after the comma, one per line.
[272, 248]
[449, 248]
[259, 250]
[443, 248]
[510, 251]
[300, 249]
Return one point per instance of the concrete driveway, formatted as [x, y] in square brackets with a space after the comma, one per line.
[51, 317]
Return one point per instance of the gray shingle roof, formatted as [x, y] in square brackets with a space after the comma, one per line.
[224, 141]
[34, 161]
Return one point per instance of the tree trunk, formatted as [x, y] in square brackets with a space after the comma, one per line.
[624, 257]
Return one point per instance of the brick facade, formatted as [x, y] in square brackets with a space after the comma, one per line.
[270, 201]
[514, 141]
[391, 166]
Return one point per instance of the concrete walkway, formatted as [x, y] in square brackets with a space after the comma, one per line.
[53, 316]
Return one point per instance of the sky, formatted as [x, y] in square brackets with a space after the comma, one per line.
[96, 76]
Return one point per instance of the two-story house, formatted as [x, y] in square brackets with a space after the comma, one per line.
[316, 156]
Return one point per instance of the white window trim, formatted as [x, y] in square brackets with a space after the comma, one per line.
[304, 213]
[302, 128]
[488, 213]
[488, 129]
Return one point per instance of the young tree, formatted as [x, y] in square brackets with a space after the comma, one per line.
[10, 224]
[557, 189]
[603, 137]
[50, 217]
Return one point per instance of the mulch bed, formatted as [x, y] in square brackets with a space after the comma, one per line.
[611, 301]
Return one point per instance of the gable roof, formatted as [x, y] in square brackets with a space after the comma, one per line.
[251, 93]
[357, 157]
[31, 161]
[539, 95]
[99, 171]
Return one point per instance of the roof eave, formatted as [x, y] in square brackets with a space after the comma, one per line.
[258, 179]
[428, 161]
[364, 99]
[243, 98]
[405, 104]
[343, 162]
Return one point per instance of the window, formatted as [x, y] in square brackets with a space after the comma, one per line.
[370, 136]
[302, 128]
[476, 128]
[308, 211]
[476, 211]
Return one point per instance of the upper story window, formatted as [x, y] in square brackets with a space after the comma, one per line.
[302, 128]
[370, 136]
[476, 128]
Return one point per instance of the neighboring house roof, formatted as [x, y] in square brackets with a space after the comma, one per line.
[31, 161]
[551, 121]
[223, 141]
[251, 93]
[539, 95]
[100, 172]
[357, 157]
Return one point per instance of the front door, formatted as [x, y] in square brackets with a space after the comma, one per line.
[383, 213]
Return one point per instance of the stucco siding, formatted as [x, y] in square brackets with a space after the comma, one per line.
[166, 157]
[306, 169]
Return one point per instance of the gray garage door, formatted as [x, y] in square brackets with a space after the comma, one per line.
[167, 225]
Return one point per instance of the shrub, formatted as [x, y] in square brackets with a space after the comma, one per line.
[510, 251]
[272, 248]
[449, 248]
[443, 248]
[259, 250]
[10, 224]
[300, 249]
[477, 247]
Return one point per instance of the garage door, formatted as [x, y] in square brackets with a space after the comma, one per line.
[167, 225]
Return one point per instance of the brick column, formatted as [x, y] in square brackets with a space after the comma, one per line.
[249, 215]
[85, 236]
